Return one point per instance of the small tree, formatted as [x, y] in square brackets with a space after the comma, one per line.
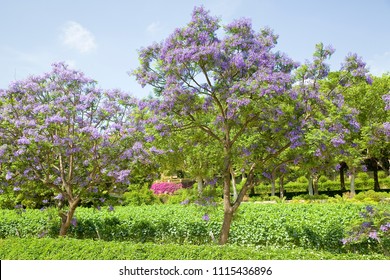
[60, 130]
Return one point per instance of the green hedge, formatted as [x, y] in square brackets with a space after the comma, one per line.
[75, 249]
[312, 226]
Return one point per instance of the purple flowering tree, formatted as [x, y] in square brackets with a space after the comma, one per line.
[60, 130]
[365, 140]
[331, 124]
[225, 88]
[233, 88]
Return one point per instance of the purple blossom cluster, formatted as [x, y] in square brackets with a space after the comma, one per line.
[165, 187]
[386, 99]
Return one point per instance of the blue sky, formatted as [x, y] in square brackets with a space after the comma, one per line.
[101, 38]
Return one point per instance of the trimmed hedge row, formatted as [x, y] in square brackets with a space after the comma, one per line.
[312, 226]
[75, 249]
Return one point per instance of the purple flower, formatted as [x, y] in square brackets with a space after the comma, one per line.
[102, 199]
[385, 228]
[55, 119]
[60, 196]
[370, 209]
[205, 217]
[366, 224]
[373, 235]
[156, 151]
[185, 202]
[23, 141]
[74, 222]
[42, 234]
[110, 208]
[267, 175]
[1, 191]
[121, 176]
[337, 141]
[9, 175]
[45, 201]
[17, 189]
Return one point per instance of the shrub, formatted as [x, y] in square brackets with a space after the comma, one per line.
[316, 226]
[140, 197]
[139, 194]
[311, 197]
[382, 174]
[371, 196]
[371, 232]
[302, 180]
[363, 176]
[165, 187]
[323, 179]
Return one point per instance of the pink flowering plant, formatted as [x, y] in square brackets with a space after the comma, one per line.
[371, 232]
[165, 187]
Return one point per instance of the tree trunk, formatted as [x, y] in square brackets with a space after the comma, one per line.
[273, 188]
[227, 221]
[342, 178]
[233, 184]
[310, 180]
[315, 184]
[376, 180]
[66, 218]
[227, 207]
[281, 186]
[352, 185]
[199, 181]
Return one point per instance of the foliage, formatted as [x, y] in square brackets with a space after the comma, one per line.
[311, 197]
[165, 187]
[139, 195]
[312, 226]
[75, 249]
[372, 196]
[372, 232]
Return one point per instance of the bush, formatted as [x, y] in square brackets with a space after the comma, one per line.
[311, 197]
[312, 226]
[139, 195]
[363, 176]
[302, 180]
[323, 179]
[165, 187]
[371, 196]
[382, 174]
[372, 232]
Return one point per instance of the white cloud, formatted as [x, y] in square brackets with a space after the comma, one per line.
[154, 27]
[76, 37]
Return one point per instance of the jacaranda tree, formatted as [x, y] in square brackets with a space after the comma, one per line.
[234, 88]
[79, 141]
